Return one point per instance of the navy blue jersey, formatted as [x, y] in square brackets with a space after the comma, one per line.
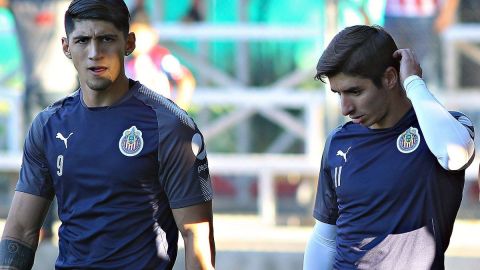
[117, 172]
[393, 204]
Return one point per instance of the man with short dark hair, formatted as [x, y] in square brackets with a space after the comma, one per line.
[391, 179]
[128, 166]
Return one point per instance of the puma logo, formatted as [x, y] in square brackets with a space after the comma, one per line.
[60, 136]
[342, 154]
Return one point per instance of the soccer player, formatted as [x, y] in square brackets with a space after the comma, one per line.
[128, 167]
[417, 24]
[155, 66]
[391, 179]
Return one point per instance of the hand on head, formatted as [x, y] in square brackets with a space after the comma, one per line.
[408, 63]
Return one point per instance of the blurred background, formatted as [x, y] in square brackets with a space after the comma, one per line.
[244, 69]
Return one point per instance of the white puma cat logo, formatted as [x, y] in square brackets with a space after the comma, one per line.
[342, 154]
[60, 136]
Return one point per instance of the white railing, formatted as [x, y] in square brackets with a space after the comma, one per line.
[11, 114]
[272, 105]
[236, 32]
[459, 38]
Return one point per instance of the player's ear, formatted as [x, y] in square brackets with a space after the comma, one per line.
[130, 44]
[390, 78]
[66, 48]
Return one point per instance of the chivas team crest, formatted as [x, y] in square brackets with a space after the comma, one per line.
[408, 141]
[131, 142]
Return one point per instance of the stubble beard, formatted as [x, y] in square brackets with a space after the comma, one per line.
[99, 84]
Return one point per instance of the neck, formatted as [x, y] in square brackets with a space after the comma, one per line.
[398, 106]
[106, 97]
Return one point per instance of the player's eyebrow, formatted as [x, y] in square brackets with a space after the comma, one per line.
[99, 36]
[80, 37]
[348, 90]
[107, 36]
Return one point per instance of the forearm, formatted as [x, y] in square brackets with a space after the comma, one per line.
[449, 8]
[15, 230]
[18, 245]
[199, 247]
[445, 136]
[20, 234]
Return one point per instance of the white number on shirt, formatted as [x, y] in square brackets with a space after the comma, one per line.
[60, 165]
[338, 175]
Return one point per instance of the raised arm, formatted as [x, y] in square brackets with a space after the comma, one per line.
[196, 226]
[20, 235]
[449, 138]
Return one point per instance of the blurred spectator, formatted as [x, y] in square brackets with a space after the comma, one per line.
[415, 24]
[154, 65]
[193, 13]
[464, 12]
[48, 74]
[469, 12]
[352, 12]
[10, 74]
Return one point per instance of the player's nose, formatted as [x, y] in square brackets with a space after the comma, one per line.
[94, 51]
[346, 105]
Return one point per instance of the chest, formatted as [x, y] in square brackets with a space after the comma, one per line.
[108, 149]
[380, 166]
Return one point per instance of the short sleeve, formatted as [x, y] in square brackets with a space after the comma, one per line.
[326, 207]
[35, 177]
[465, 121]
[184, 170]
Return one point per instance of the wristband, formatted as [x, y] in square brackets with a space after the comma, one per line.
[15, 255]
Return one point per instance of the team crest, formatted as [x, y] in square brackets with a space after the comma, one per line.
[408, 141]
[131, 142]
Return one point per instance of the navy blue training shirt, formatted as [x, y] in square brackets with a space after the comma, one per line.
[393, 204]
[117, 172]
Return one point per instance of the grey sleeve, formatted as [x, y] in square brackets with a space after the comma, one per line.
[321, 247]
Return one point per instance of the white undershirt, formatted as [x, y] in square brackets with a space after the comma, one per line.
[321, 248]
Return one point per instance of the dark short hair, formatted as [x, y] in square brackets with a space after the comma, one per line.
[360, 50]
[114, 11]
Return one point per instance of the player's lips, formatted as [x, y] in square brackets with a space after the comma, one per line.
[357, 119]
[97, 70]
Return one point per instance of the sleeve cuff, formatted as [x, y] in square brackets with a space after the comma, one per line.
[412, 81]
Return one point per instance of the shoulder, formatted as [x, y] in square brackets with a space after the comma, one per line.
[43, 117]
[167, 111]
[339, 130]
[331, 137]
[36, 132]
[464, 120]
[334, 132]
